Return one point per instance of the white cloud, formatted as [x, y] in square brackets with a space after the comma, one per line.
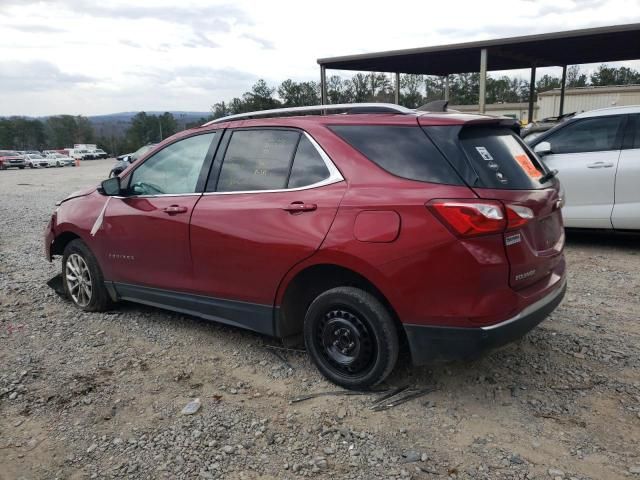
[156, 54]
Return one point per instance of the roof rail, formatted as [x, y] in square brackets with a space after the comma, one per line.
[318, 110]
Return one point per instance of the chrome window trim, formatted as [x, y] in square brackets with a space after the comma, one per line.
[161, 195]
[334, 175]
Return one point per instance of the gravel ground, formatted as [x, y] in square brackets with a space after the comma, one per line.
[100, 395]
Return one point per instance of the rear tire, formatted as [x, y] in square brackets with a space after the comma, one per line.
[82, 278]
[351, 337]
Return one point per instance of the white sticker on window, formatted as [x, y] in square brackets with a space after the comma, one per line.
[484, 153]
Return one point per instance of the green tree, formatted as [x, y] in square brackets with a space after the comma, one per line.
[260, 97]
[339, 91]
[606, 75]
[220, 110]
[411, 87]
[301, 94]
[575, 78]
[548, 82]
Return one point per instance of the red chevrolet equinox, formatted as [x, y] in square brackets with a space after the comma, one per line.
[365, 232]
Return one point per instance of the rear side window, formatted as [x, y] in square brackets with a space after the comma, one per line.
[499, 159]
[402, 151]
[589, 135]
[308, 166]
[257, 160]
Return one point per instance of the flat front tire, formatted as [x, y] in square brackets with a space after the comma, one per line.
[351, 337]
[82, 278]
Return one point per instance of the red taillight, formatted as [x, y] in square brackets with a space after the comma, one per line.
[470, 218]
[517, 216]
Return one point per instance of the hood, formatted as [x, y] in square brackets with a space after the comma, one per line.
[80, 193]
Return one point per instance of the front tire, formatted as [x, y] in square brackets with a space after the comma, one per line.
[351, 337]
[82, 278]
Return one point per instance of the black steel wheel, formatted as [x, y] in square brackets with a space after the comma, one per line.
[351, 337]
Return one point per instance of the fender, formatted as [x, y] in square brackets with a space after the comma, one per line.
[339, 259]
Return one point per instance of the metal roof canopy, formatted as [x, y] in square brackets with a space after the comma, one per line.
[590, 45]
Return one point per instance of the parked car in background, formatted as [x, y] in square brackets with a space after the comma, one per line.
[99, 153]
[64, 160]
[597, 155]
[533, 130]
[361, 232]
[11, 159]
[123, 161]
[38, 161]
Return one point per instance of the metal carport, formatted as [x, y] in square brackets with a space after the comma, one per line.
[590, 45]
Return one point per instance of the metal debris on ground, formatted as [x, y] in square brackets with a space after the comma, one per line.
[389, 399]
[283, 359]
[302, 398]
[402, 397]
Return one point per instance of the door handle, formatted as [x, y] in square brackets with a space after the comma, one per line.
[173, 209]
[600, 165]
[296, 207]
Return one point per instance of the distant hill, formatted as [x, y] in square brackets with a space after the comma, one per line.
[127, 116]
[116, 124]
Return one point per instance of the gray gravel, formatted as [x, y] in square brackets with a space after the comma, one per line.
[101, 395]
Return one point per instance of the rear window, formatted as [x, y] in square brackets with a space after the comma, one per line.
[402, 151]
[500, 160]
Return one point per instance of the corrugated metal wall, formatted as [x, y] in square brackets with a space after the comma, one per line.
[549, 105]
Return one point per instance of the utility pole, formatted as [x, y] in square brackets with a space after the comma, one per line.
[160, 124]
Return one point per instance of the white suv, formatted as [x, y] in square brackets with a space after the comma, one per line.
[597, 155]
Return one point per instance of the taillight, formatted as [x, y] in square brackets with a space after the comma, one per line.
[517, 216]
[470, 218]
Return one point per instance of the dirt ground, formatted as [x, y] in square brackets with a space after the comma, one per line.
[100, 395]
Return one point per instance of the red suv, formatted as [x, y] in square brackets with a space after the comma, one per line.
[368, 232]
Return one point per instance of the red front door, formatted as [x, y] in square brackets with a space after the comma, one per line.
[146, 241]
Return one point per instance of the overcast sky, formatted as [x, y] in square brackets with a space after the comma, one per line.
[102, 56]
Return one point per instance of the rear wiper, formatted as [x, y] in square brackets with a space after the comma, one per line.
[548, 176]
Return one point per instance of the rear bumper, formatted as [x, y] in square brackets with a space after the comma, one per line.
[433, 343]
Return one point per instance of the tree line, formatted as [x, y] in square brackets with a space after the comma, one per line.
[21, 133]
[415, 90]
[62, 131]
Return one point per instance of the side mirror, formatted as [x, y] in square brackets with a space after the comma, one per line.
[542, 149]
[110, 186]
[127, 158]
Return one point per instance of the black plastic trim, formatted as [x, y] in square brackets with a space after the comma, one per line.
[433, 343]
[251, 316]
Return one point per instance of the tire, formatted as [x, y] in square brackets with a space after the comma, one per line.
[58, 164]
[351, 337]
[78, 258]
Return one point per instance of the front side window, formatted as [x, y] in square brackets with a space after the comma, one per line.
[589, 135]
[257, 160]
[174, 169]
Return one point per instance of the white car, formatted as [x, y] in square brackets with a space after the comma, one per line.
[38, 161]
[63, 160]
[597, 156]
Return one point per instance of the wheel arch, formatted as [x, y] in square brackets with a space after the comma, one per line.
[308, 282]
[61, 241]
